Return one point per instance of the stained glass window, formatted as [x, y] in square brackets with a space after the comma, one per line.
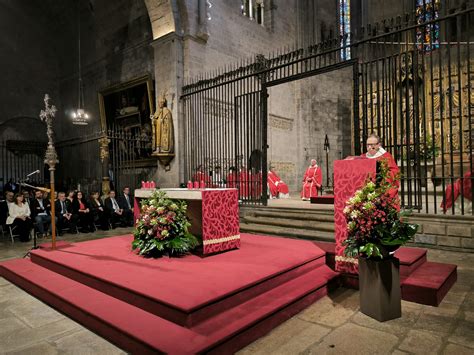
[345, 28]
[253, 9]
[427, 36]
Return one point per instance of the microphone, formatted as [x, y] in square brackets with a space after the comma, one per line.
[33, 173]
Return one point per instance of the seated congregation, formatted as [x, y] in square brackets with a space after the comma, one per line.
[21, 213]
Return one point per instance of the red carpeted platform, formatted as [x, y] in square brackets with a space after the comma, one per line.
[185, 305]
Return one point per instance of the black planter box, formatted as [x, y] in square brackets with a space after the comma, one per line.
[379, 286]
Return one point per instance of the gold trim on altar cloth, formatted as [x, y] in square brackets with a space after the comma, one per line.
[221, 240]
[346, 259]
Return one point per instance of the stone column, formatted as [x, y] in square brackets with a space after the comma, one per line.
[168, 52]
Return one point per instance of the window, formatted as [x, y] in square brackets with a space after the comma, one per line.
[345, 28]
[253, 9]
[427, 36]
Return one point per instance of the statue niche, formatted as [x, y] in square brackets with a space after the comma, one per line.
[163, 133]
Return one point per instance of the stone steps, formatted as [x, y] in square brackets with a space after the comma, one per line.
[292, 223]
[296, 223]
[287, 232]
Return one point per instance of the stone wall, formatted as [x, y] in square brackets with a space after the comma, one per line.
[28, 61]
[448, 232]
[324, 106]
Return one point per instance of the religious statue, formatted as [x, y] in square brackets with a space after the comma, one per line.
[163, 132]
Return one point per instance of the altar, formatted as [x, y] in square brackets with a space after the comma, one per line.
[213, 213]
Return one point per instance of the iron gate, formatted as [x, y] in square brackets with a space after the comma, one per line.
[413, 84]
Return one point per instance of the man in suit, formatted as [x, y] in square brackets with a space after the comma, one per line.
[4, 207]
[125, 202]
[66, 219]
[40, 213]
[113, 209]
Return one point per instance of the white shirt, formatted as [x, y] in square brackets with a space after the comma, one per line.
[15, 211]
[115, 204]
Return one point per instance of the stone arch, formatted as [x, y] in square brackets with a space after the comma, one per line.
[164, 17]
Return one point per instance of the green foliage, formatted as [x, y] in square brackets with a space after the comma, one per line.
[375, 224]
[163, 228]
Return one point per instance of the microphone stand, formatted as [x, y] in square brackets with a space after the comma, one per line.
[44, 189]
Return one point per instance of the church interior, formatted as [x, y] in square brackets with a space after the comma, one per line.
[260, 114]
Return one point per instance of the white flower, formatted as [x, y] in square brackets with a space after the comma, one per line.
[371, 196]
[355, 214]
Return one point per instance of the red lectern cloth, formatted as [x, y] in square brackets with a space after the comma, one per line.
[349, 176]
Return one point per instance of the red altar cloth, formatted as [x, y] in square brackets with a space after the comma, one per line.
[349, 176]
[214, 215]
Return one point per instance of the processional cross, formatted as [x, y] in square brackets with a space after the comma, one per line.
[51, 157]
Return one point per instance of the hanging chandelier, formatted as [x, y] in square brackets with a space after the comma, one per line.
[79, 115]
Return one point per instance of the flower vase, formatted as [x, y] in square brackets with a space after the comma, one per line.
[379, 286]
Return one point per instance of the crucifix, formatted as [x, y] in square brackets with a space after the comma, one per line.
[51, 157]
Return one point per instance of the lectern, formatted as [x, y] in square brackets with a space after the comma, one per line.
[349, 176]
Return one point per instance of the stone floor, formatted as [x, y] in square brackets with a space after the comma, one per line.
[333, 325]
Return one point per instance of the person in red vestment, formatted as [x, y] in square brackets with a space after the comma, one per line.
[278, 189]
[453, 191]
[256, 189]
[375, 151]
[200, 175]
[244, 182]
[231, 179]
[311, 181]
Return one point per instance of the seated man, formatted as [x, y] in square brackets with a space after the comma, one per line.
[125, 202]
[66, 219]
[462, 186]
[311, 181]
[4, 207]
[40, 213]
[278, 189]
[114, 212]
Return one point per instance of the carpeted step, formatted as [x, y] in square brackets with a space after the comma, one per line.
[289, 232]
[291, 223]
[429, 283]
[129, 327]
[410, 260]
[289, 299]
[138, 331]
[263, 263]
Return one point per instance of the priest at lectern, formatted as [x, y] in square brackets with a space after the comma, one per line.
[375, 151]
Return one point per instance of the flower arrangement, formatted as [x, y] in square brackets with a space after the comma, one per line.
[375, 224]
[163, 228]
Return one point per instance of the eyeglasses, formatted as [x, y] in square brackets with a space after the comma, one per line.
[372, 144]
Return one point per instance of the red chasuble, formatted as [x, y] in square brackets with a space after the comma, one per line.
[244, 182]
[311, 182]
[392, 165]
[454, 190]
[276, 185]
[201, 176]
